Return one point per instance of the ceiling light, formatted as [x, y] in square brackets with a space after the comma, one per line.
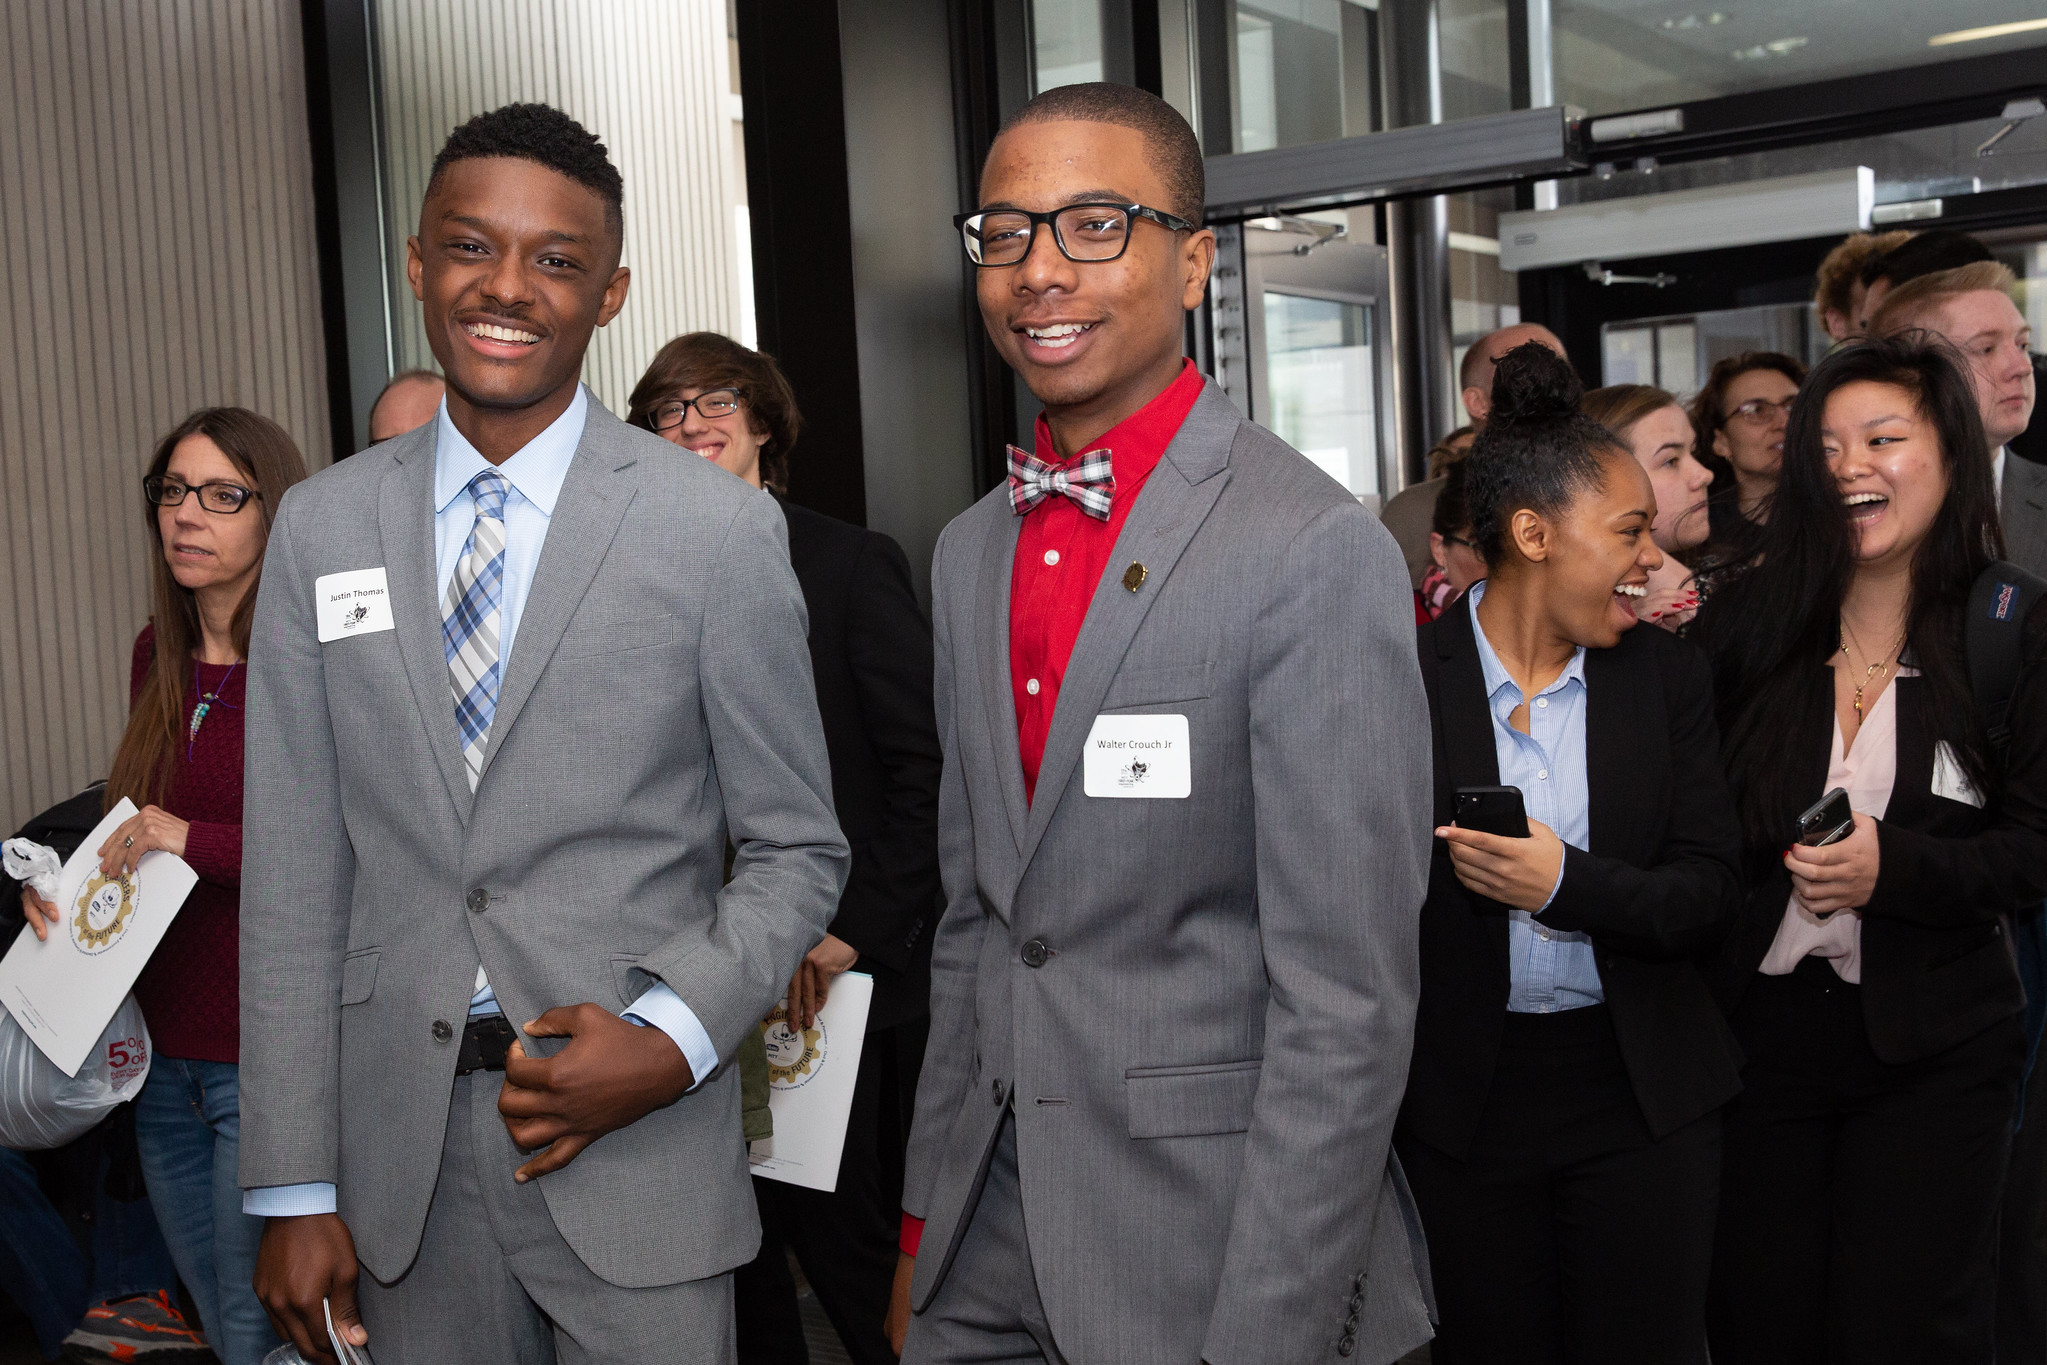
[1695, 21]
[1971, 35]
[1781, 47]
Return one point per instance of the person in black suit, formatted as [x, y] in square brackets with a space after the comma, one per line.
[1871, 981]
[1561, 1129]
[870, 649]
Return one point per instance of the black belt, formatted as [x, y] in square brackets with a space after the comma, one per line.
[484, 1045]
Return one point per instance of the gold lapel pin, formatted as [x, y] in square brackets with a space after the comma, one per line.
[1134, 576]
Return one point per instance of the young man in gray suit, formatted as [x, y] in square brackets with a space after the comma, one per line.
[515, 678]
[1182, 826]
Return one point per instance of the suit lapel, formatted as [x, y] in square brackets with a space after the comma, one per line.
[593, 501]
[991, 635]
[405, 524]
[1467, 722]
[2025, 512]
[1912, 782]
[1619, 720]
[1170, 509]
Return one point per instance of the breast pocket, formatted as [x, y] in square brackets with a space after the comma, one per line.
[1191, 1101]
[619, 637]
[1159, 686]
[359, 975]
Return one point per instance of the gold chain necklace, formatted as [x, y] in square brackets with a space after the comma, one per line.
[1871, 674]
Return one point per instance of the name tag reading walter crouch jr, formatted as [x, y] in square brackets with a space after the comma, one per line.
[354, 603]
[1138, 756]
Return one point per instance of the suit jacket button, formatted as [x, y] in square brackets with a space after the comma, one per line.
[996, 1089]
[1035, 953]
[443, 1030]
[479, 900]
[1346, 1346]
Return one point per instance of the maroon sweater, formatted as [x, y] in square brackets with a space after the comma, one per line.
[190, 992]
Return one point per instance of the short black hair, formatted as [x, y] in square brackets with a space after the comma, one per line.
[1537, 450]
[542, 134]
[1923, 254]
[1175, 152]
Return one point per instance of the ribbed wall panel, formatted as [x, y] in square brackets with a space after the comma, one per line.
[156, 256]
[649, 77]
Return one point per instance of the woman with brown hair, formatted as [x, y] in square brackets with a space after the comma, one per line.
[870, 654]
[212, 490]
[1655, 428]
[1738, 422]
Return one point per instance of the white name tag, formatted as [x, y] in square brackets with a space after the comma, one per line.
[1138, 756]
[356, 603]
[1950, 780]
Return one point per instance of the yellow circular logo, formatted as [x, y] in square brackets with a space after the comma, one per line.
[795, 1055]
[103, 912]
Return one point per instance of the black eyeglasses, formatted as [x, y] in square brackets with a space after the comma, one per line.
[1082, 232]
[1460, 540]
[224, 498]
[710, 403]
[1761, 409]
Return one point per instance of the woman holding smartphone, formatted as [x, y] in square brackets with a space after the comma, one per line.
[1870, 981]
[1561, 1129]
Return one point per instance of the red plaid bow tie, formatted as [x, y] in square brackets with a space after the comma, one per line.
[1087, 481]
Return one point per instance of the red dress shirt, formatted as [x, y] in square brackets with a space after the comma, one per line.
[1061, 556]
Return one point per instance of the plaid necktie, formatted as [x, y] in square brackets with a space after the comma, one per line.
[1087, 480]
[470, 619]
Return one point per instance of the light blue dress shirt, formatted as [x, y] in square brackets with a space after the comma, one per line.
[536, 474]
[1549, 969]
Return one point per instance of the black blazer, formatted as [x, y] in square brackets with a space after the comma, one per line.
[1937, 966]
[1656, 893]
[870, 648]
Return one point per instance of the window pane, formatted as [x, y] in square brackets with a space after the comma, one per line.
[1319, 375]
[1066, 37]
[1677, 359]
[1627, 355]
[1303, 71]
[1612, 55]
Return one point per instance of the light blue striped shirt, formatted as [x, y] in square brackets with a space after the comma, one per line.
[1550, 969]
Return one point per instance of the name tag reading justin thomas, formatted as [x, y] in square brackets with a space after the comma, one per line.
[1138, 756]
[354, 603]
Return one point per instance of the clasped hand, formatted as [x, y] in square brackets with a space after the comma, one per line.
[1840, 876]
[148, 829]
[612, 1073]
[1517, 872]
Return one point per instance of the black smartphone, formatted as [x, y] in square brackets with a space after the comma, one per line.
[1493, 810]
[1827, 820]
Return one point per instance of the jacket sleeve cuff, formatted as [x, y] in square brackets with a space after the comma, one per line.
[289, 1201]
[912, 1235]
[660, 1007]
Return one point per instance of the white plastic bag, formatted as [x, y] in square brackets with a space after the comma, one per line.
[41, 1107]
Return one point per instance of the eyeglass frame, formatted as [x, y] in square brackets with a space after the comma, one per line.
[1751, 409]
[738, 402]
[1168, 221]
[1470, 545]
[160, 480]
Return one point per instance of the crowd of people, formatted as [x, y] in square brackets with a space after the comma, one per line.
[1590, 914]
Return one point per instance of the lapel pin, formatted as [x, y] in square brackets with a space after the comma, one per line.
[1134, 576]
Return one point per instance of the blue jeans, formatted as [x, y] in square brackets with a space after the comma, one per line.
[45, 1272]
[188, 1126]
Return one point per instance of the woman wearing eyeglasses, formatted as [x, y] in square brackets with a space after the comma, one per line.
[1739, 419]
[212, 489]
[870, 653]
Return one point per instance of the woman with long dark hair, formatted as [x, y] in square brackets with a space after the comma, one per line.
[1561, 1127]
[1870, 980]
[211, 491]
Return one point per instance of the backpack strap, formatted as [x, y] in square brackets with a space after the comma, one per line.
[1998, 602]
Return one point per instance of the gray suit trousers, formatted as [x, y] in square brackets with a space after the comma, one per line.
[495, 1284]
[988, 1311]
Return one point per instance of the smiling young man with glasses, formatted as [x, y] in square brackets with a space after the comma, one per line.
[1182, 826]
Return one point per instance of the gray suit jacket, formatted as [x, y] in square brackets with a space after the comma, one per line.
[1201, 1009]
[2023, 504]
[658, 698]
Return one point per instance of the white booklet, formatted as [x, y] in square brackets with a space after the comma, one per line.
[810, 1086]
[63, 991]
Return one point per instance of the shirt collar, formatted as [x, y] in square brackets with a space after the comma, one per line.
[1496, 675]
[537, 470]
[1138, 442]
[1997, 477]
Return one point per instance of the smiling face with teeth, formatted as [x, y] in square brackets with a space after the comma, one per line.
[1094, 340]
[516, 264]
[1574, 576]
[1885, 457]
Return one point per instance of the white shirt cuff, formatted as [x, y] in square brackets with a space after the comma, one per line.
[288, 1201]
[663, 1009]
[1562, 863]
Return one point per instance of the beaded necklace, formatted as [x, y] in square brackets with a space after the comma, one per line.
[206, 700]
